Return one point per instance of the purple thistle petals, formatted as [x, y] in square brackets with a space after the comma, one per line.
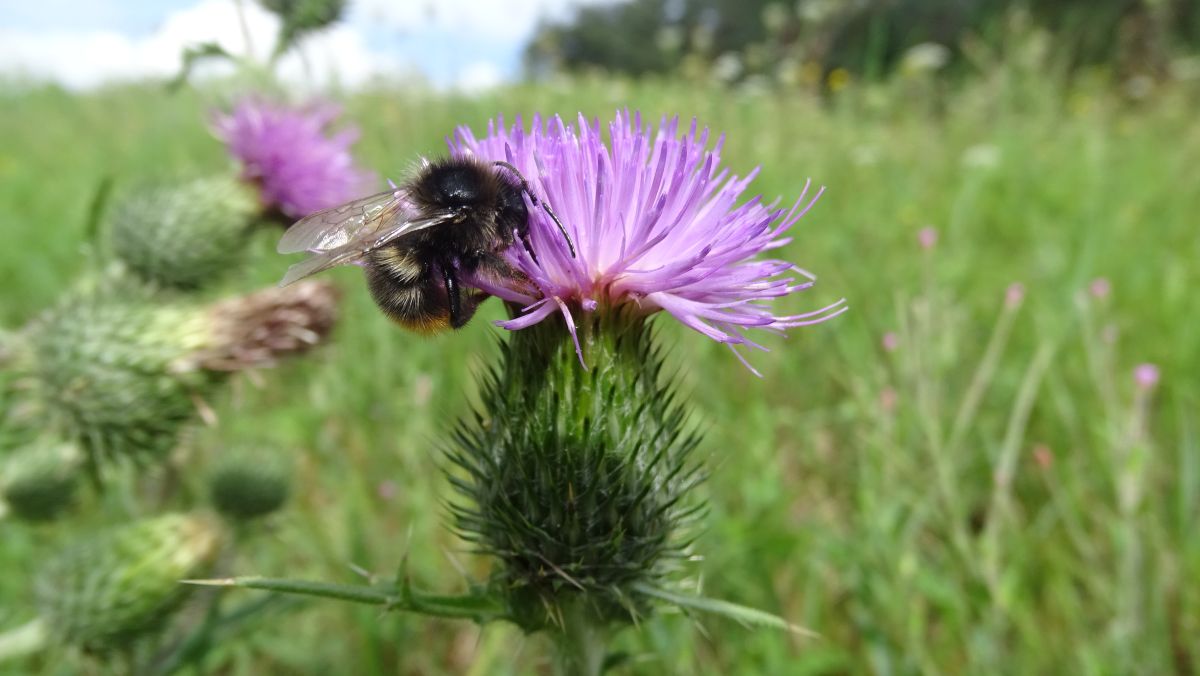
[289, 153]
[656, 224]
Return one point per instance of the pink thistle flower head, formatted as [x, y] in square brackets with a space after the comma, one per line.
[1100, 288]
[655, 225]
[890, 341]
[1014, 295]
[1146, 376]
[298, 164]
[927, 237]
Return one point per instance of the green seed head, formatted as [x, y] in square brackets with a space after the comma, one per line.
[186, 235]
[103, 594]
[575, 479]
[249, 484]
[38, 482]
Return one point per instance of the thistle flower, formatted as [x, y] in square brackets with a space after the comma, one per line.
[1146, 376]
[655, 224]
[579, 479]
[289, 153]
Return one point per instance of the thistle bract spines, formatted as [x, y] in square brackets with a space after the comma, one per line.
[184, 235]
[575, 479]
[38, 481]
[105, 593]
[104, 363]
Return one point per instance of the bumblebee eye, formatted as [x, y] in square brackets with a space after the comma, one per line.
[512, 204]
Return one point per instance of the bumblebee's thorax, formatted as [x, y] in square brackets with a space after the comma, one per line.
[487, 207]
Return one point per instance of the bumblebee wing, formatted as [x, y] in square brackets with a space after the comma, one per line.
[355, 250]
[333, 228]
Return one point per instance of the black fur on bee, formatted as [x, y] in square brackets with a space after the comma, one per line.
[417, 280]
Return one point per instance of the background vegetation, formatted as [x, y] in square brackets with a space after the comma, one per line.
[953, 477]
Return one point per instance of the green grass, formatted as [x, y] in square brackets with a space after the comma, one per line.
[890, 501]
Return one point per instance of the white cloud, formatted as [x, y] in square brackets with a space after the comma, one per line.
[81, 59]
[479, 76]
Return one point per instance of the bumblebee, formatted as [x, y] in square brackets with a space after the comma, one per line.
[420, 242]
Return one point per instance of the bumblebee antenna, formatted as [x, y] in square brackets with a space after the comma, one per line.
[533, 198]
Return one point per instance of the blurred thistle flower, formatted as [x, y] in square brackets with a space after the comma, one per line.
[120, 369]
[890, 341]
[1100, 288]
[289, 154]
[888, 398]
[1043, 456]
[1146, 376]
[1014, 295]
[655, 226]
[927, 237]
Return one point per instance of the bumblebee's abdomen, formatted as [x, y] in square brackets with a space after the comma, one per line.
[407, 291]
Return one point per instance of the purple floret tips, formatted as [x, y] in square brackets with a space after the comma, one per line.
[655, 223]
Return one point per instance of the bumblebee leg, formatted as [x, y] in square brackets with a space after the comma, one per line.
[454, 296]
[524, 235]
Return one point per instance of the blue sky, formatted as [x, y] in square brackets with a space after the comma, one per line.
[465, 43]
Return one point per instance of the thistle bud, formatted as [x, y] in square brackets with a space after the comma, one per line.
[186, 235]
[38, 482]
[575, 479]
[248, 484]
[105, 593]
[121, 369]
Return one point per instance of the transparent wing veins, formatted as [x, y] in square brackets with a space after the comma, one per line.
[345, 234]
[332, 228]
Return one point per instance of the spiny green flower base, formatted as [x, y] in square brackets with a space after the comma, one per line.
[185, 235]
[119, 367]
[103, 594]
[574, 478]
[104, 366]
[104, 363]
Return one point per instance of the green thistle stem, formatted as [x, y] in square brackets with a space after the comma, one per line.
[582, 643]
[479, 607]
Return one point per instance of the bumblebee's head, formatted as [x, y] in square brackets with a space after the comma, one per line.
[463, 187]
